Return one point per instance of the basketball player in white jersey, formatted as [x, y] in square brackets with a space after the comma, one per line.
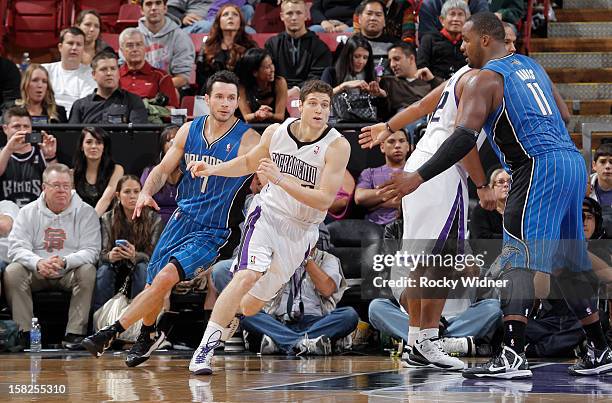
[304, 161]
[427, 213]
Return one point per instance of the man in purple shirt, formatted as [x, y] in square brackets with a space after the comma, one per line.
[395, 149]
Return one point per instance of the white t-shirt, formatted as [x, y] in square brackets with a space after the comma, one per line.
[10, 209]
[70, 85]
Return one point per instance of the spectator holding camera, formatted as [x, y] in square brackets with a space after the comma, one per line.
[137, 76]
[127, 243]
[95, 172]
[108, 103]
[24, 157]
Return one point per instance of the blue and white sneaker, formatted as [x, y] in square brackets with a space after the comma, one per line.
[201, 362]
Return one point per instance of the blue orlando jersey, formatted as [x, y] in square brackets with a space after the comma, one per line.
[216, 201]
[528, 122]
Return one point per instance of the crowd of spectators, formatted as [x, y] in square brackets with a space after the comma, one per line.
[72, 229]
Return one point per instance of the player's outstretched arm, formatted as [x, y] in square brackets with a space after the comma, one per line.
[336, 159]
[376, 134]
[480, 95]
[159, 174]
[252, 150]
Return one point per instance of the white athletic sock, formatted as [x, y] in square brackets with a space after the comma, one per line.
[413, 334]
[426, 334]
[212, 333]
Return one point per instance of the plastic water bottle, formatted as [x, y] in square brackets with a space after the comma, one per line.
[35, 336]
[25, 62]
[379, 69]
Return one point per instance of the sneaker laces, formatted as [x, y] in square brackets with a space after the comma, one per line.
[436, 350]
[202, 356]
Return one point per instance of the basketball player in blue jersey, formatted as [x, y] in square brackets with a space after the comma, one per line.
[304, 161]
[513, 99]
[201, 225]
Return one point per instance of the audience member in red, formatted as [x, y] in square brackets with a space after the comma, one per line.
[381, 212]
[166, 197]
[137, 76]
[90, 22]
[441, 51]
[95, 172]
[226, 43]
[38, 98]
[263, 94]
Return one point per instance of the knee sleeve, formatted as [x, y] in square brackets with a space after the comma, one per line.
[517, 291]
[579, 290]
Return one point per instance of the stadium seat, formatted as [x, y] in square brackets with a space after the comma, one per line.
[34, 24]
[262, 38]
[111, 39]
[187, 103]
[332, 39]
[108, 9]
[129, 14]
[198, 40]
[267, 19]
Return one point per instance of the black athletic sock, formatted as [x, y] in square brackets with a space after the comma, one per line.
[514, 335]
[595, 335]
[118, 328]
[147, 330]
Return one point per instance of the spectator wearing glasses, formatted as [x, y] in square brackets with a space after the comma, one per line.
[485, 224]
[54, 244]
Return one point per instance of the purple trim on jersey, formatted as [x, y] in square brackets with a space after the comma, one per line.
[457, 205]
[249, 228]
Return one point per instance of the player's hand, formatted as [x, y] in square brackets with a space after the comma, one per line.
[268, 169]
[488, 201]
[143, 201]
[199, 169]
[400, 184]
[373, 135]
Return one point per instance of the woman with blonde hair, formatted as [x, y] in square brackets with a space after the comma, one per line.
[38, 98]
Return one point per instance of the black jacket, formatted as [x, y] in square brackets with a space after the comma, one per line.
[440, 55]
[341, 10]
[311, 57]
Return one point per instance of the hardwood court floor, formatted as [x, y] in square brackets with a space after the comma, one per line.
[242, 378]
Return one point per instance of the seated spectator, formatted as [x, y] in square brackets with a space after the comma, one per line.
[440, 52]
[395, 149]
[332, 15]
[89, 22]
[137, 76]
[354, 69]
[127, 243]
[188, 12]
[166, 197]
[371, 17]
[601, 180]
[225, 45]
[168, 48]
[38, 98]
[54, 244]
[404, 87]
[429, 14]
[303, 318]
[70, 78]
[488, 224]
[95, 173]
[510, 11]
[298, 54]
[108, 103]
[22, 163]
[340, 206]
[202, 23]
[510, 38]
[8, 215]
[11, 78]
[263, 94]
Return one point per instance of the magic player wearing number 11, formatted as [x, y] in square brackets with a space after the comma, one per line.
[200, 228]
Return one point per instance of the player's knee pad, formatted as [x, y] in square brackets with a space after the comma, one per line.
[517, 291]
[579, 290]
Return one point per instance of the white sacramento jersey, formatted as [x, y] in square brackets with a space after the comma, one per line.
[442, 122]
[301, 161]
